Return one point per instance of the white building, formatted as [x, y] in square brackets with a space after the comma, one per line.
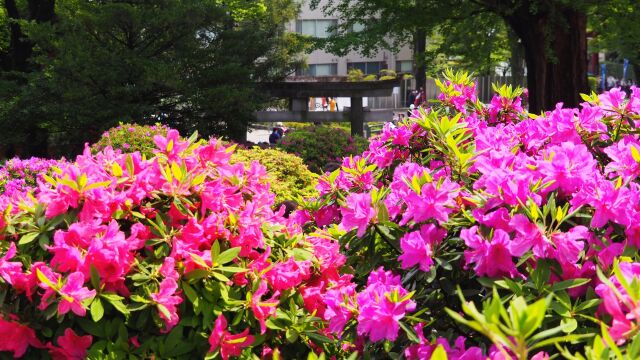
[316, 23]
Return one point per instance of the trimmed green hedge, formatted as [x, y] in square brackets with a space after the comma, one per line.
[321, 145]
[290, 177]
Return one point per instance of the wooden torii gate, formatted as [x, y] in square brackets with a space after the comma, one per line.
[299, 89]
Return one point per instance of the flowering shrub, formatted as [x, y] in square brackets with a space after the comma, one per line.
[288, 176]
[320, 145]
[469, 231]
[18, 176]
[470, 218]
[176, 256]
[130, 138]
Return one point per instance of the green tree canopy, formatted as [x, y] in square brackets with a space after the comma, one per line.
[617, 29]
[192, 63]
[552, 33]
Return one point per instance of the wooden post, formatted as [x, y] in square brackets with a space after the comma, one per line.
[356, 116]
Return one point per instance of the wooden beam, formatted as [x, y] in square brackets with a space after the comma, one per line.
[320, 116]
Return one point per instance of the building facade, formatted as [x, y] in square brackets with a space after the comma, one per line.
[314, 22]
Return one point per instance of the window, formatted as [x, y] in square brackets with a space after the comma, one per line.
[357, 27]
[370, 67]
[405, 66]
[319, 70]
[316, 28]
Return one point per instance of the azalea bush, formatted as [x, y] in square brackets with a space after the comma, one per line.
[18, 175]
[130, 138]
[321, 145]
[176, 256]
[468, 231]
[478, 231]
[289, 177]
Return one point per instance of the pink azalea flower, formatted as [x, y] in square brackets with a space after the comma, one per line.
[262, 310]
[228, 344]
[167, 302]
[435, 201]
[71, 346]
[358, 213]
[623, 163]
[72, 295]
[171, 145]
[16, 338]
[340, 302]
[618, 303]
[381, 306]
[490, 258]
[568, 247]
[567, 166]
[289, 274]
[529, 236]
[417, 246]
[9, 270]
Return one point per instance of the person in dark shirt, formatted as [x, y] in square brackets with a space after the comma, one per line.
[275, 136]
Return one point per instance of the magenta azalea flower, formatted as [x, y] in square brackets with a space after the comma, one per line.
[167, 302]
[228, 344]
[417, 246]
[358, 213]
[73, 293]
[382, 304]
[490, 258]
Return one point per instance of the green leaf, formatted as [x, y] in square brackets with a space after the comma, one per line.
[227, 255]
[318, 338]
[568, 284]
[28, 238]
[215, 251]
[97, 310]
[116, 301]
[220, 277]
[410, 333]
[163, 309]
[292, 335]
[95, 277]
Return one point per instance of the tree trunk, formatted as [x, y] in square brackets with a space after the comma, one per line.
[517, 59]
[419, 48]
[555, 44]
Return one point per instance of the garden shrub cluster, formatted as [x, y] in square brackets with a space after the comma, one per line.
[321, 145]
[176, 256]
[482, 231]
[130, 138]
[288, 176]
[18, 176]
[469, 231]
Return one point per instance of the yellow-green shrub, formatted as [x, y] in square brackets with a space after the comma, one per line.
[289, 176]
[130, 138]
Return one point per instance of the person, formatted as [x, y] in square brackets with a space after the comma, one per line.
[412, 97]
[423, 97]
[332, 104]
[275, 136]
[418, 100]
[324, 104]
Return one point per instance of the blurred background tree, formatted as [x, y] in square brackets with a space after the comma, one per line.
[88, 65]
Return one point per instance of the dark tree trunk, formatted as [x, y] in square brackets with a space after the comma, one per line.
[555, 46]
[20, 48]
[419, 48]
[517, 59]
